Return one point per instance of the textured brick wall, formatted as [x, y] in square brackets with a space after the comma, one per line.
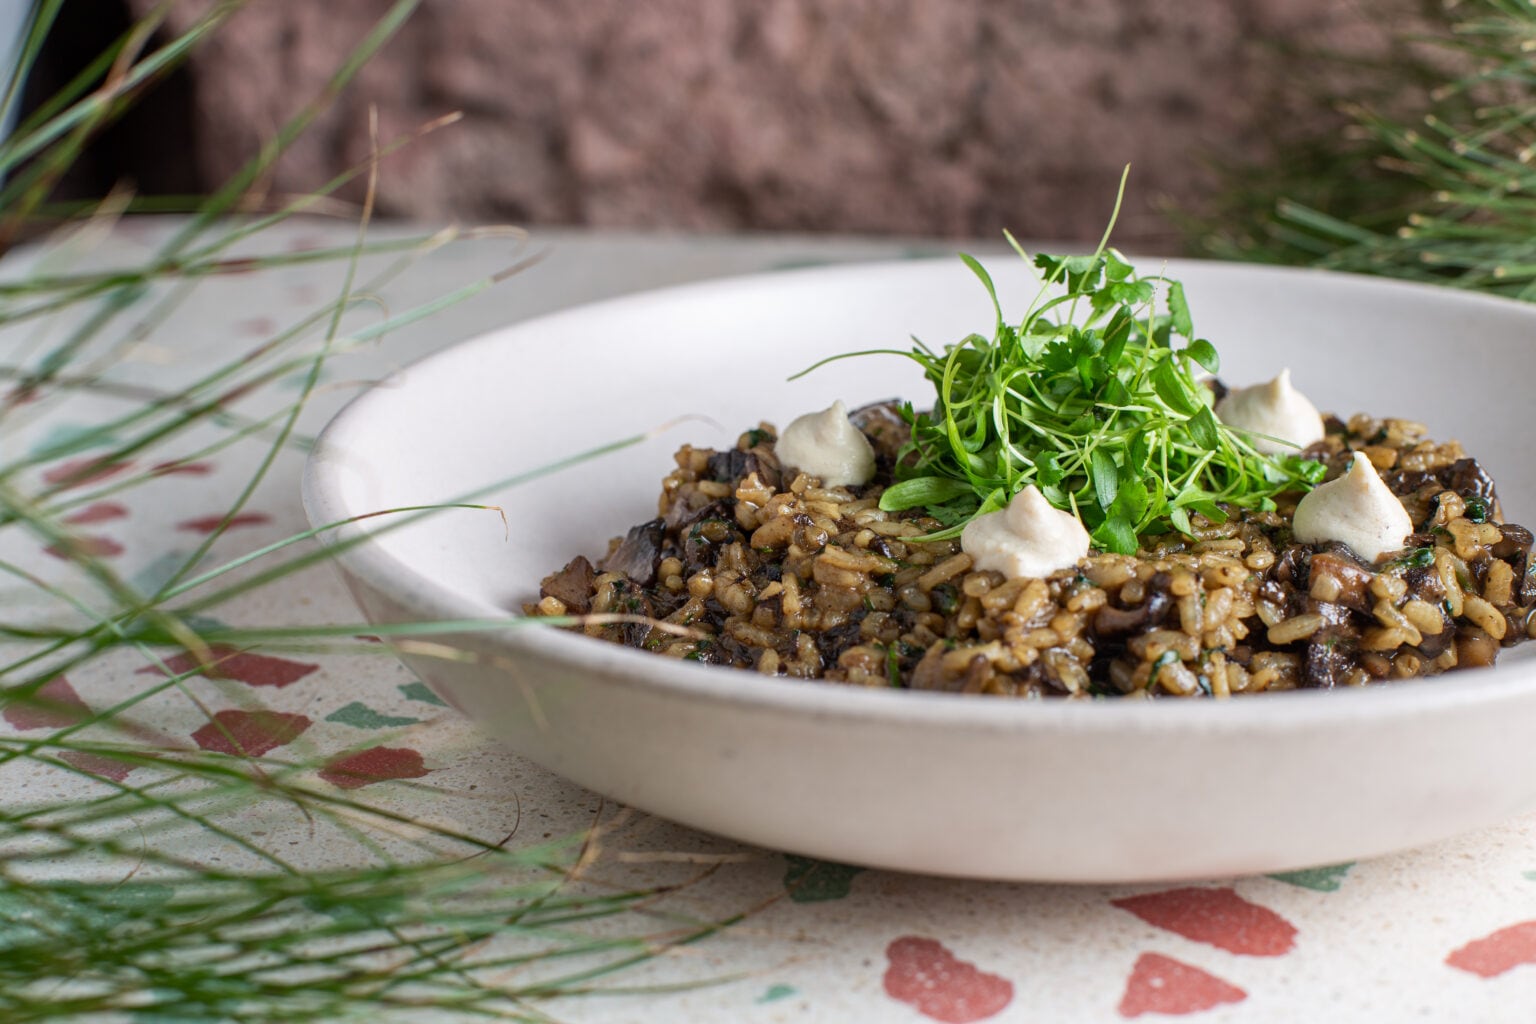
[955, 117]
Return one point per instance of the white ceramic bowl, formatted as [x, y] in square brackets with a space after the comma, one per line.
[926, 782]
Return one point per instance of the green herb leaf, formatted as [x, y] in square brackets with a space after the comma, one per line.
[1171, 388]
[1084, 398]
[1203, 429]
[922, 492]
[1116, 534]
[1178, 310]
[1204, 353]
[1106, 477]
[1080, 273]
[986, 280]
[1180, 520]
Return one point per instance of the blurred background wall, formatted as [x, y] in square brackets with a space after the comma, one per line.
[947, 117]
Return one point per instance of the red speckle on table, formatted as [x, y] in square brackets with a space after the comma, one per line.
[250, 733]
[934, 982]
[182, 468]
[377, 764]
[207, 524]
[1161, 984]
[237, 265]
[1217, 916]
[251, 669]
[1494, 954]
[85, 547]
[98, 764]
[100, 512]
[57, 705]
[305, 243]
[259, 326]
[304, 294]
[79, 472]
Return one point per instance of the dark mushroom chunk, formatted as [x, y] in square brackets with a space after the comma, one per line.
[703, 540]
[978, 673]
[730, 467]
[638, 553]
[1516, 540]
[1353, 579]
[1334, 615]
[1111, 623]
[629, 599]
[1435, 644]
[831, 643]
[1292, 567]
[682, 512]
[1327, 661]
[929, 673]
[1475, 648]
[1424, 583]
[1410, 481]
[571, 586]
[679, 517]
[1469, 479]
[1526, 590]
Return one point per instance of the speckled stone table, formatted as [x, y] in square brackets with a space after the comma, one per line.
[1443, 933]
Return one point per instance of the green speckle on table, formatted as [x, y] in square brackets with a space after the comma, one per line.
[419, 691]
[68, 438]
[1323, 879]
[808, 880]
[803, 263]
[26, 919]
[298, 381]
[204, 623]
[361, 716]
[776, 992]
[1531, 875]
[153, 576]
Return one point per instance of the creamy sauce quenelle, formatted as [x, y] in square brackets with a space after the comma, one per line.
[1275, 409]
[826, 444]
[1357, 509]
[1028, 538]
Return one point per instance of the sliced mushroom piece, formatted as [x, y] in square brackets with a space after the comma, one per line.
[638, 554]
[728, 467]
[1111, 623]
[1468, 478]
[1343, 574]
[571, 586]
[1475, 648]
[1327, 661]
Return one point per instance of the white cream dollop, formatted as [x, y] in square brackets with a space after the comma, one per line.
[1027, 538]
[826, 444]
[1357, 509]
[1276, 409]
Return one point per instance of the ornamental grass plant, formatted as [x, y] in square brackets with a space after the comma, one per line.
[141, 878]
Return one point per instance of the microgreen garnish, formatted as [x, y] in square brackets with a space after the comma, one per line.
[1094, 398]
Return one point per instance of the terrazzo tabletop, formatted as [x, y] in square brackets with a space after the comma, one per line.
[1442, 933]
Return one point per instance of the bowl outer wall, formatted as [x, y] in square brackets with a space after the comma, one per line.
[976, 787]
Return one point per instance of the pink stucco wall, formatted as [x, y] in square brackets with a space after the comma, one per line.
[955, 117]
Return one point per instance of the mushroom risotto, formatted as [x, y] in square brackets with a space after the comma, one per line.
[1083, 512]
